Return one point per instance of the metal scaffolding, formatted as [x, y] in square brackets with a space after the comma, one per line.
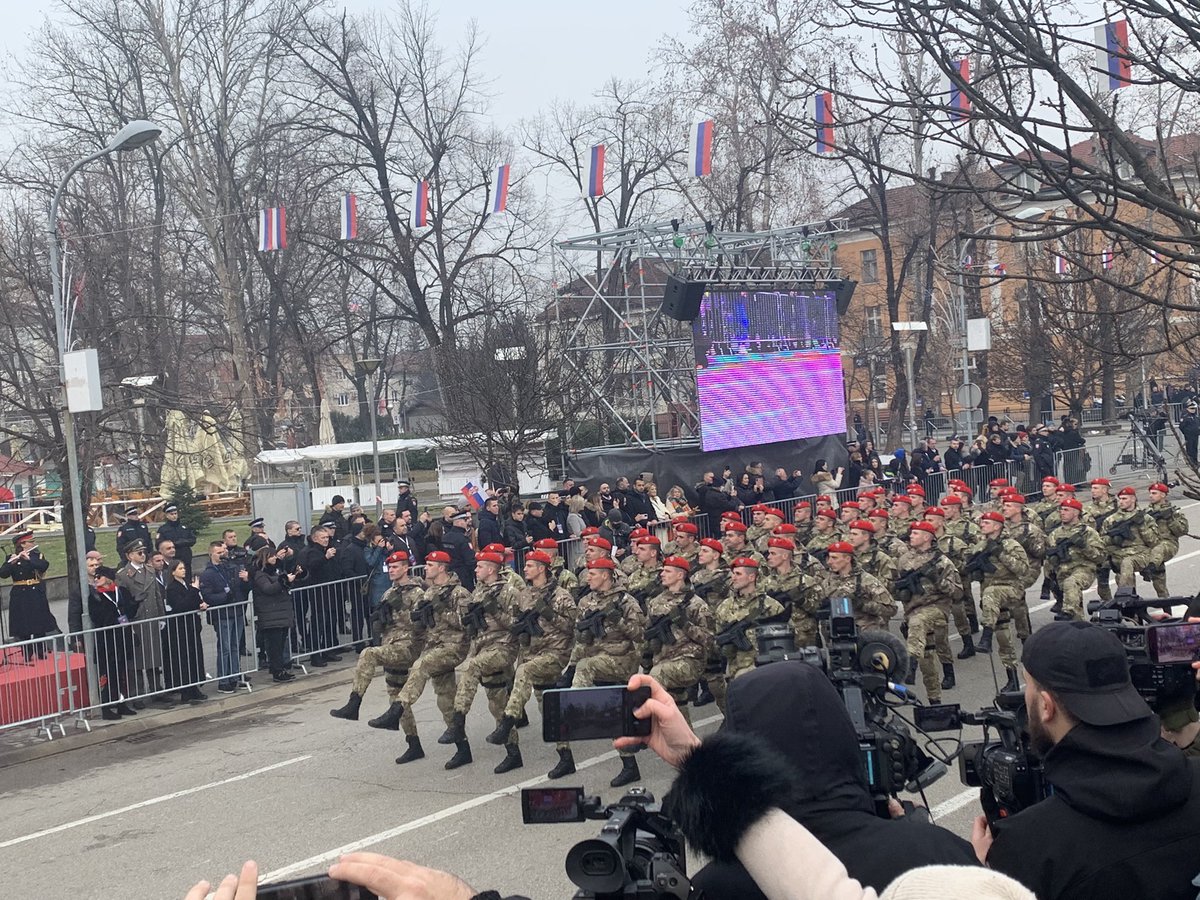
[639, 365]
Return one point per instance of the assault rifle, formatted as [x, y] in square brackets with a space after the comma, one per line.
[527, 625]
[594, 622]
[1060, 551]
[423, 614]
[980, 562]
[912, 581]
[474, 619]
[733, 637]
[1121, 533]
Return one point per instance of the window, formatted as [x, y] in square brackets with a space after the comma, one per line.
[874, 322]
[869, 264]
[343, 399]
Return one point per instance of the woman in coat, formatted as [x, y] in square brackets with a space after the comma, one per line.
[274, 611]
[377, 577]
[185, 652]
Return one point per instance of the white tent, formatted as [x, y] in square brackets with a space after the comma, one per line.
[331, 452]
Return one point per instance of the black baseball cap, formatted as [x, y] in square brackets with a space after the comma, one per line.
[1086, 668]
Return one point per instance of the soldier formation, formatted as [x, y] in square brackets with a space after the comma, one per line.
[688, 611]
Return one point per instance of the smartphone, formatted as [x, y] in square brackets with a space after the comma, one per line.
[319, 887]
[938, 717]
[1177, 643]
[593, 713]
[549, 806]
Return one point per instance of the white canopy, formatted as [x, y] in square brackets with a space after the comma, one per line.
[327, 452]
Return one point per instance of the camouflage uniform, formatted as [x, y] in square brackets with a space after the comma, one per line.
[712, 586]
[559, 572]
[1095, 514]
[1001, 589]
[733, 610]
[1032, 539]
[691, 553]
[818, 544]
[873, 560]
[755, 535]
[678, 662]
[1130, 537]
[749, 552]
[873, 603]
[542, 656]
[400, 643]
[1073, 554]
[796, 592]
[493, 653]
[628, 564]
[927, 581]
[644, 583]
[960, 536]
[445, 646]
[1171, 525]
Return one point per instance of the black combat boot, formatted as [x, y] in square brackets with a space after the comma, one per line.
[523, 721]
[462, 755]
[503, 729]
[512, 760]
[968, 649]
[947, 676]
[910, 677]
[390, 720]
[458, 728]
[1012, 684]
[973, 621]
[414, 751]
[350, 710]
[629, 772]
[704, 695]
[985, 641]
[565, 767]
[447, 735]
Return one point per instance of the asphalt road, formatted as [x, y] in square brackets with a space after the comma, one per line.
[289, 786]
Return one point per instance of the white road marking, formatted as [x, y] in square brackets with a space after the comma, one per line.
[331, 856]
[958, 801]
[151, 802]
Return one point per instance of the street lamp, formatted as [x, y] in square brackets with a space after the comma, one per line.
[369, 367]
[136, 134]
[909, 347]
[135, 383]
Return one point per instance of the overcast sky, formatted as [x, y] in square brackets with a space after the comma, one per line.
[536, 49]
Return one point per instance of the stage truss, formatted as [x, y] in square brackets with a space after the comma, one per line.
[638, 365]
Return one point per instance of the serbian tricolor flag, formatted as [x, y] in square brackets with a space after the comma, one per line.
[1112, 53]
[1106, 258]
[1061, 266]
[822, 110]
[700, 149]
[959, 102]
[420, 209]
[272, 229]
[594, 187]
[500, 203]
[349, 217]
[473, 495]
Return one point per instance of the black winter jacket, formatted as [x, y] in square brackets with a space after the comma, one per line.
[272, 604]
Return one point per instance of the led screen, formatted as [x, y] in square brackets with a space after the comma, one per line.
[768, 367]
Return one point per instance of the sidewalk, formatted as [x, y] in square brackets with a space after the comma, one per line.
[24, 743]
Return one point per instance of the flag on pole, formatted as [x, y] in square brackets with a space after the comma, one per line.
[272, 229]
[700, 149]
[420, 209]
[822, 110]
[1153, 251]
[500, 201]
[1061, 266]
[595, 180]
[968, 261]
[998, 268]
[959, 102]
[349, 217]
[473, 495]
[1106, 258]
[1112, 54]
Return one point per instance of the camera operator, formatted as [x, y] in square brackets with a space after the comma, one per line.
[794, 710]
[1123, 815]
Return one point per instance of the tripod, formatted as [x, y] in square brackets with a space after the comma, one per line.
[1140, 451]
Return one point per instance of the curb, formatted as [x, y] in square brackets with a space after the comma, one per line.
[304, 684]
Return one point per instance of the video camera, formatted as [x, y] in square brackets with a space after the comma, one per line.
[1160, 652]
[638, 854]
[864, 667]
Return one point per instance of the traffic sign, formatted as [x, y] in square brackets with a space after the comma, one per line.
[968, 395]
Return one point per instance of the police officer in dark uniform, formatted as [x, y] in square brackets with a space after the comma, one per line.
[406, 499]
[29, 613]
[457, 542]
[180, 535]
[258, 537]
[132, 529]
[1190, 426]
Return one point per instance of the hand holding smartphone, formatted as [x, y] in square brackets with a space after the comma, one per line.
[593, 713]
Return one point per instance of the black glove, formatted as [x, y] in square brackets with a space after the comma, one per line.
[566, 678]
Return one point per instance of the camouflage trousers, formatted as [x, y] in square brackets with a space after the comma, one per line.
[1127, 565]
[604, 667]
[436, 664]
[491, 667]
[962, 610]
[922, 625]
[532, 675]
[395, 659]
[1072, 584]
[739, 665]
[806, 630]
[996, 604]
[677, 676]
[1156, 571]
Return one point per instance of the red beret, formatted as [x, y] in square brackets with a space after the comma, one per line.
[992, 516]
[952, 500]
[1072, 503]
[760, 507]
[678, 520]
[851, 504]
[803, 504]
[1013, 497]
[1102, 481]
[496, 558]
[781, 543]
[1160, 487]
[438, 556]
[902, 498]
[963, 489]
[785, 529]
[604, 562]
[494, 548]
[878, 514]
[687, 528]
[1127, 491]
[915, 490]
[602, 543]
[923, 526]
[650, 540]
[827, 513]
[538, 556]
[713, 544]
[638, 533]
[398, 556]
[678, 562]
[1051, 479]
[746, 561]
[1066, 488]
[840, 547]
[546, 544]
[862, 525]
[825, 497]
[935, 511]
[730, 514]
[956, 483]
[998, 482]
[774, 511]
[590, 530]
[734, 526]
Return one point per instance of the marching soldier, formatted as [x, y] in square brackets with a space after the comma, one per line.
[999, 565]
[679, 634]
[757, 529]
[996, 488]
[959, 535]
[736, 546]
[565, 577]
[710, 582]
[398, 641]
[1045, 512]
[737, 618]
[445, 646]
[771, 521]
[1171, 525]
[608, 630]
[544, 629]
[901, 516]
[686, 542]
[487, 619]
[936, 516]
[515, 581]
[786, 583]
[802, 518]
[873, 603]
[892, 545]
[1095, 514]
[631, 563]
[595, 548]
[824, 533]
[868, 556]
[1131, 536]
[1074, 551]
[925, 583]
[1029, 535]
[848, 512]
[643, 582]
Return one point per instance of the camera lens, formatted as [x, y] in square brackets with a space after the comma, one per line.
[595, 865]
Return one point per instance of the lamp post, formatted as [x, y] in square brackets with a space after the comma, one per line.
[369, 367]
[136, 134]
[908, 371]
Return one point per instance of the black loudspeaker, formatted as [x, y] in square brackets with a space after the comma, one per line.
[681, 299]
[842, 292]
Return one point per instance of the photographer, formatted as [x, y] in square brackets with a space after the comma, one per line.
[792, 709]
[1123, 818]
